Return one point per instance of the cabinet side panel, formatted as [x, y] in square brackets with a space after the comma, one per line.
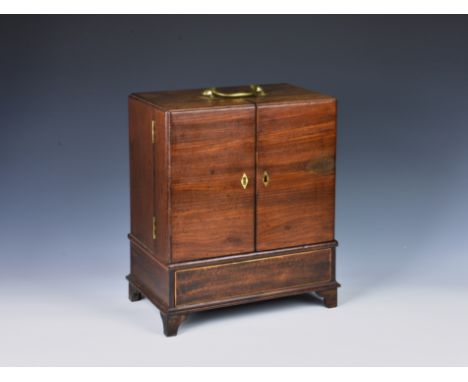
[141, 171]
[161, 187]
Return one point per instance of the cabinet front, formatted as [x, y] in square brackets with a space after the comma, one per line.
[295, 175]
[212, 173]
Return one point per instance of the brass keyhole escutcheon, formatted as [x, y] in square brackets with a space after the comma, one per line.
[266, 178]
[244, 180]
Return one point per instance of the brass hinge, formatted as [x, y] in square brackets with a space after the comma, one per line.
[152, 131]
[154, 227]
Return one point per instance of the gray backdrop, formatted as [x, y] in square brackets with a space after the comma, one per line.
[401, 84]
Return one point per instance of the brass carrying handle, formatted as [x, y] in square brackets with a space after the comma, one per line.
[255, 90]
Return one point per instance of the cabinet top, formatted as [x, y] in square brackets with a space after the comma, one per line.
[194, 99]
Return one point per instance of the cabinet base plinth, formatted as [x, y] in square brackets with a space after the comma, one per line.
[180, 289]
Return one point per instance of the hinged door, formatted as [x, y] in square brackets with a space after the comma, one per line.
[295, 174]
[212, 174]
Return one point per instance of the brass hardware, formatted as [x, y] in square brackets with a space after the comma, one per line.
[266, 178]
[152, 131]
[244, 180]
[154, 227]
[255, 91]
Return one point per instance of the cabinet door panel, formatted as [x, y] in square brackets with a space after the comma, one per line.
[296, 147]
[212, 214]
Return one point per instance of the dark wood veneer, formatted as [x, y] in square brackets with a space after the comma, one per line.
[296, 146]
[200, 239]
[212, 215]
[255, 276]
[141, 175]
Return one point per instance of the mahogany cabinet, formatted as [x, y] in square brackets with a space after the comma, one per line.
[232, 197]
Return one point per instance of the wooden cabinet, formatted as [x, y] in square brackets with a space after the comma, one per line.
[232, 197]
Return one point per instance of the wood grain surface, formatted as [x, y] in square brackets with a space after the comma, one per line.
[296, 146]
[212, 214]
[141, 171]
[217, 243]
[243, 278]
